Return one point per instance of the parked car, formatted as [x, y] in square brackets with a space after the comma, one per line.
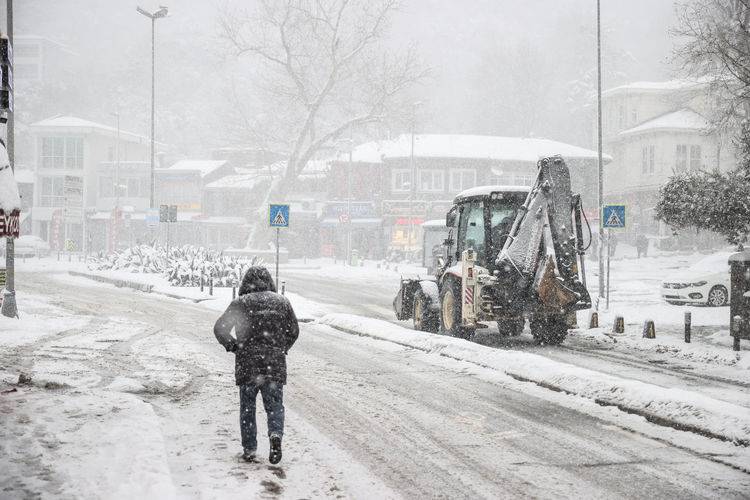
[30, 246]
[705, 282]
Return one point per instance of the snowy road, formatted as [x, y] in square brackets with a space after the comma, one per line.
[367, 419]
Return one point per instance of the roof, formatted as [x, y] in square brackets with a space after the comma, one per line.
[487, 190]
[682, 119]
[239, 181]
[9, 199]
[367, 152]
[665, 86]
[485, 147]
[203, 167]
[85, 126]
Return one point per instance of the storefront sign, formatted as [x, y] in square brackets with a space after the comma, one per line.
[9, 223]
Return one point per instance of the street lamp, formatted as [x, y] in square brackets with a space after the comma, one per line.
[413, 168]
[162, 12]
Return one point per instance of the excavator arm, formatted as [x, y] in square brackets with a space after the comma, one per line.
[540, 257]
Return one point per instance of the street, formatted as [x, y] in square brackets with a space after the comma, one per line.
[366, 418]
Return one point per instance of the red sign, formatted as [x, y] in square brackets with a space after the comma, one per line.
[9, 223]
[344, 218]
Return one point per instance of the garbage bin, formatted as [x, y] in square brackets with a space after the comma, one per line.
[739, 309]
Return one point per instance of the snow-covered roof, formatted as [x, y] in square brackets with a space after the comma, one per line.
[204, 167]
[239, 181]
[85, 126]
[683, 119]
[367, 152]
[484, 147]
[665, 86]
[9, 199]
[488, 190]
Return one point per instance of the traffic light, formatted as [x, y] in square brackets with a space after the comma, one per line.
[6, 75]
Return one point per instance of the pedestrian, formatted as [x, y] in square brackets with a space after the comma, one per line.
[641, 245]
[265, 328]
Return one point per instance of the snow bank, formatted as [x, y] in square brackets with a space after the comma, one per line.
[666, 406]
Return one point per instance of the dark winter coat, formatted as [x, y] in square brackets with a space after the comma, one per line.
[265, 328]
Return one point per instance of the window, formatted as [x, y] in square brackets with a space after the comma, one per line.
[106, 187]
[680, 158]
[471, 229]
[61, 152]
[431, 180]
[523, 180]
[132, 188]
[462, 178]
[401, 180]
[52, 192]
[647, 159]
[695, 158]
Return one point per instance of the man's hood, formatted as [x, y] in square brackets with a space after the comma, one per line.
[257, 279]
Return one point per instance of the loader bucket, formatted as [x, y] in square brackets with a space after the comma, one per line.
[552, 291]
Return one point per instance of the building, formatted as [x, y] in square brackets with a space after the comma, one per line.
[183, 182]
[84, 151]
[444, 165]
[654, 130]
[37, 59]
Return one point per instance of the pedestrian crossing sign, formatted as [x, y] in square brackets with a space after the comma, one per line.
[279, 215]
[613, 216]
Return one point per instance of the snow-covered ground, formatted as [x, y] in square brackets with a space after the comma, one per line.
[150, 359]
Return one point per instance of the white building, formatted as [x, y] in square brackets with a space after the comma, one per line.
[654, 130]
[70, 146]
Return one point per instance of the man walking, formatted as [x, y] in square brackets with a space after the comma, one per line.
[265, 328]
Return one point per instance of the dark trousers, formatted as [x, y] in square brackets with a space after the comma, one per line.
[273, 401]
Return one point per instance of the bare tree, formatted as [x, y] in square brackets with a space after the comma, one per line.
[322, 69]
[715, 44]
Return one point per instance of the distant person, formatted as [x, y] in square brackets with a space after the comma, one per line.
[641, 245]
[265, 328]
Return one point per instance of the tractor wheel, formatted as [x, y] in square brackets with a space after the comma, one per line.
[425, 319]
[450, 311]
[548, 329]
[512, 327]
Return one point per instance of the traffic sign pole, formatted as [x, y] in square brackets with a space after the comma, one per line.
[278, 232]
[278, 217]
[609, 253]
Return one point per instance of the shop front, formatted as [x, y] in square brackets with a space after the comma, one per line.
[351, 223]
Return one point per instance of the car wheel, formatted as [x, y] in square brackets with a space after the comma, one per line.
[548, 329]
[718, 296]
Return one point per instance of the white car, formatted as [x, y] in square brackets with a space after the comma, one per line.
[30, 246]
[706, 282]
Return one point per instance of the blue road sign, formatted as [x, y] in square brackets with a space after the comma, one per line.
[278, 215]
[613, 216]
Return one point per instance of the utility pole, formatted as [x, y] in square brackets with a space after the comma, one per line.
[600, 191]
[413, 186]
[162, 12]
[349, 201]
[9, 308]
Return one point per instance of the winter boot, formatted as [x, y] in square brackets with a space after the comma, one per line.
[248, 455]
[274, 456]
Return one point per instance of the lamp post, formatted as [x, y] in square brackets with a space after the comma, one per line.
[162, 12]
[9, 307]
[600, 190]
[413, 168]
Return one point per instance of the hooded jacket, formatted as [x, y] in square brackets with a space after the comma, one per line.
[265, 328]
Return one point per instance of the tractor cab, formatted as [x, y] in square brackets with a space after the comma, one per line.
[481, 219]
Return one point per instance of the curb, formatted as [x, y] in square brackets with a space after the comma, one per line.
[652, 417]
[135, 285]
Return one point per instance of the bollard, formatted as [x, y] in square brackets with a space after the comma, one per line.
[736, 332]
[688, 320]
[283, 287]
[211, 285]
[619, 326]
[201, 282]
[649, 332]
[234, 292]
[58, 256]
[594, 320]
